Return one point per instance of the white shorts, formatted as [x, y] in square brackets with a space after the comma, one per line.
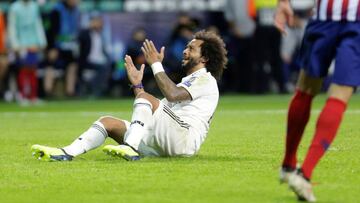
[168, 135]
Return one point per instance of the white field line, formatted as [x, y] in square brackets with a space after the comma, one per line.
[126, 113]
[47, 114]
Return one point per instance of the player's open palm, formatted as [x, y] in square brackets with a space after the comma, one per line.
[150, 52]
[135, 76]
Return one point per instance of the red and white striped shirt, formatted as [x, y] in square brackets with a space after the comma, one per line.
[337, 10]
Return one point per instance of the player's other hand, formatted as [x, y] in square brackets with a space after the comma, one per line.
[135, 76]
[283, 15]
[150, 52]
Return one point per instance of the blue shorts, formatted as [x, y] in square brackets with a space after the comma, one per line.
[326, 40]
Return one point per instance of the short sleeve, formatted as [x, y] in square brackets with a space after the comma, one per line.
[196, 86]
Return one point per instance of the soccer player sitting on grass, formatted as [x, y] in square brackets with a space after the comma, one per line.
[174, 126]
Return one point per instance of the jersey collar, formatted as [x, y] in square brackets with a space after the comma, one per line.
[201, 70]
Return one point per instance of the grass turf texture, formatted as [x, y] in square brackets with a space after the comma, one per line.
[238, 162]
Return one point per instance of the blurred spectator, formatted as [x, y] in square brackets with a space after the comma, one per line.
[239, 75]
[291, 42]
[27, 39]
[3, 54]
[179, 38]
[94, 59]
[182, 19]
[175, 51]
[133, 48]
[267, 48]
[63, 48]
[138, 36]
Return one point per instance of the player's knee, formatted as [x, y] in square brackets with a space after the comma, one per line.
[108, 122]
[142, 101]
[313, 89]
[308, 84]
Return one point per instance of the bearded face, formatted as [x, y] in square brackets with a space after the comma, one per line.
[191, 55]
[189, 62]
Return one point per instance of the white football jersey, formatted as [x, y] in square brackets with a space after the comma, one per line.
[197, 112]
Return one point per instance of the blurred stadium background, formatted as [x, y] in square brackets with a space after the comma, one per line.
[86, 61]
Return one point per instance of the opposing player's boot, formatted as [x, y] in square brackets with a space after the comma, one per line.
[301, 187]
[123, 151]
[45, 153]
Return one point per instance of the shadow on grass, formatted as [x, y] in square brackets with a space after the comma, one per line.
[183, 160]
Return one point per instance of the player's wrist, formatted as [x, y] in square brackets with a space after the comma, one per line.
[157, 67]
[137, 86]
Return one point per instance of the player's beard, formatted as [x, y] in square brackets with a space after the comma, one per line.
[190, 64]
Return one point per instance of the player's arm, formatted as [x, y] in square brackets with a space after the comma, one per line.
[283, 15]
[168, 88]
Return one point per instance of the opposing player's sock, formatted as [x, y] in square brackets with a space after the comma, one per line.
[326, 128]
[90, 139]
[140, 119]
[298, 116]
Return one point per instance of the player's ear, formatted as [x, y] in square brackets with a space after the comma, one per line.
[204, 59]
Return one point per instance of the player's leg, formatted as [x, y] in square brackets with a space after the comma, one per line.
[90, 139]
[115, 128]
[317, 52]
[144, 106]
[95, 136]
[71, 74]
[327, 125]
[298, 116]
[345, 78]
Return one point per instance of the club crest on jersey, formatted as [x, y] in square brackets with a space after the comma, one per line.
[188, 82]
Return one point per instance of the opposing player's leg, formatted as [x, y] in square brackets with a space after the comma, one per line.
[327, 125]
[326, 128]
[298, 116]
[144, 106]
[317, 51]
[345, 77]
[90, 139]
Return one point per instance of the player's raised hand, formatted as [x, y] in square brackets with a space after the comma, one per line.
[135, 76]
[150, 52]
[283, 15]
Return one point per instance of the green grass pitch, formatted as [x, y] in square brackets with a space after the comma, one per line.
[238, 162]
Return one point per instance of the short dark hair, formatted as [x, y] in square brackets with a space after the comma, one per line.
[214, 51]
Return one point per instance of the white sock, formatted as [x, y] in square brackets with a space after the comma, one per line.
[141, 117]
[90, 139]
